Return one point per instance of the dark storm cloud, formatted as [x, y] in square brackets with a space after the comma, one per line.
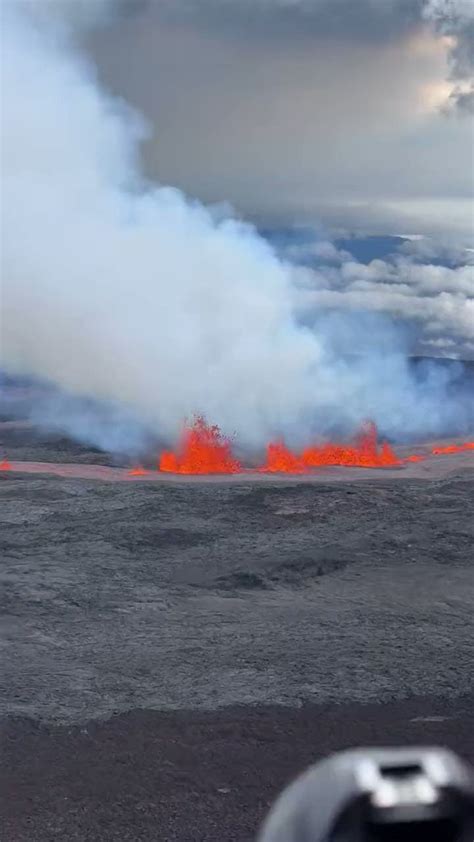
[462, 54]
[366, 20]
[455, 18]
[462, 68]
[464, 100]
[325, 108]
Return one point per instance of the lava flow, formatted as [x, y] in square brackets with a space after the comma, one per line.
[453, 448]
[281, 460]
[138, 471]
[364, 453]
[202, 450]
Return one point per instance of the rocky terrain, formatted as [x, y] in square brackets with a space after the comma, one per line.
[173, 652]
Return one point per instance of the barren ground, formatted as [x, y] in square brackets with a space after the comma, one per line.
[173, 651]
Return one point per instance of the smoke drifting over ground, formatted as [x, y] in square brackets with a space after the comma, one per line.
[125, 293]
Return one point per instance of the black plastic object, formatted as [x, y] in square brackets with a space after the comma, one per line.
[378, 795]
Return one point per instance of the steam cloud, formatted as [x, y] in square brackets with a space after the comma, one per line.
[134, 296]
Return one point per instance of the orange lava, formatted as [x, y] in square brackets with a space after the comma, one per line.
[453, 448]
[364, 453]
[5, 465]
[280, 460]
[202, 450]
[137, 471]
[415, 457]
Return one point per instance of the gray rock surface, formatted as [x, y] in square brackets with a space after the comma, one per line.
[122, 595]
[172, 653]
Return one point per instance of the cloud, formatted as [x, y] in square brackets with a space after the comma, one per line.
[436, 300]
[287, 123]
[455, 18]
[366, 20]
[425, 250]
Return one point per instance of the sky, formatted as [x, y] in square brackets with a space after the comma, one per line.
[353, 113]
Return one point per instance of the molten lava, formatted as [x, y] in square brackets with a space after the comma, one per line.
[5, 465]
[453, 448]
[280, 460]
[202, 450]
[137, 471]
[364, 453]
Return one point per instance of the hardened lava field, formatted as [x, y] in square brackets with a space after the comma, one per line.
[267, 618]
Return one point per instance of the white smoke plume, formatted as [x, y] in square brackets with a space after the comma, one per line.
[132, 295]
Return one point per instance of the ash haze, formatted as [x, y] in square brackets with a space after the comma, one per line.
[120, 291]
